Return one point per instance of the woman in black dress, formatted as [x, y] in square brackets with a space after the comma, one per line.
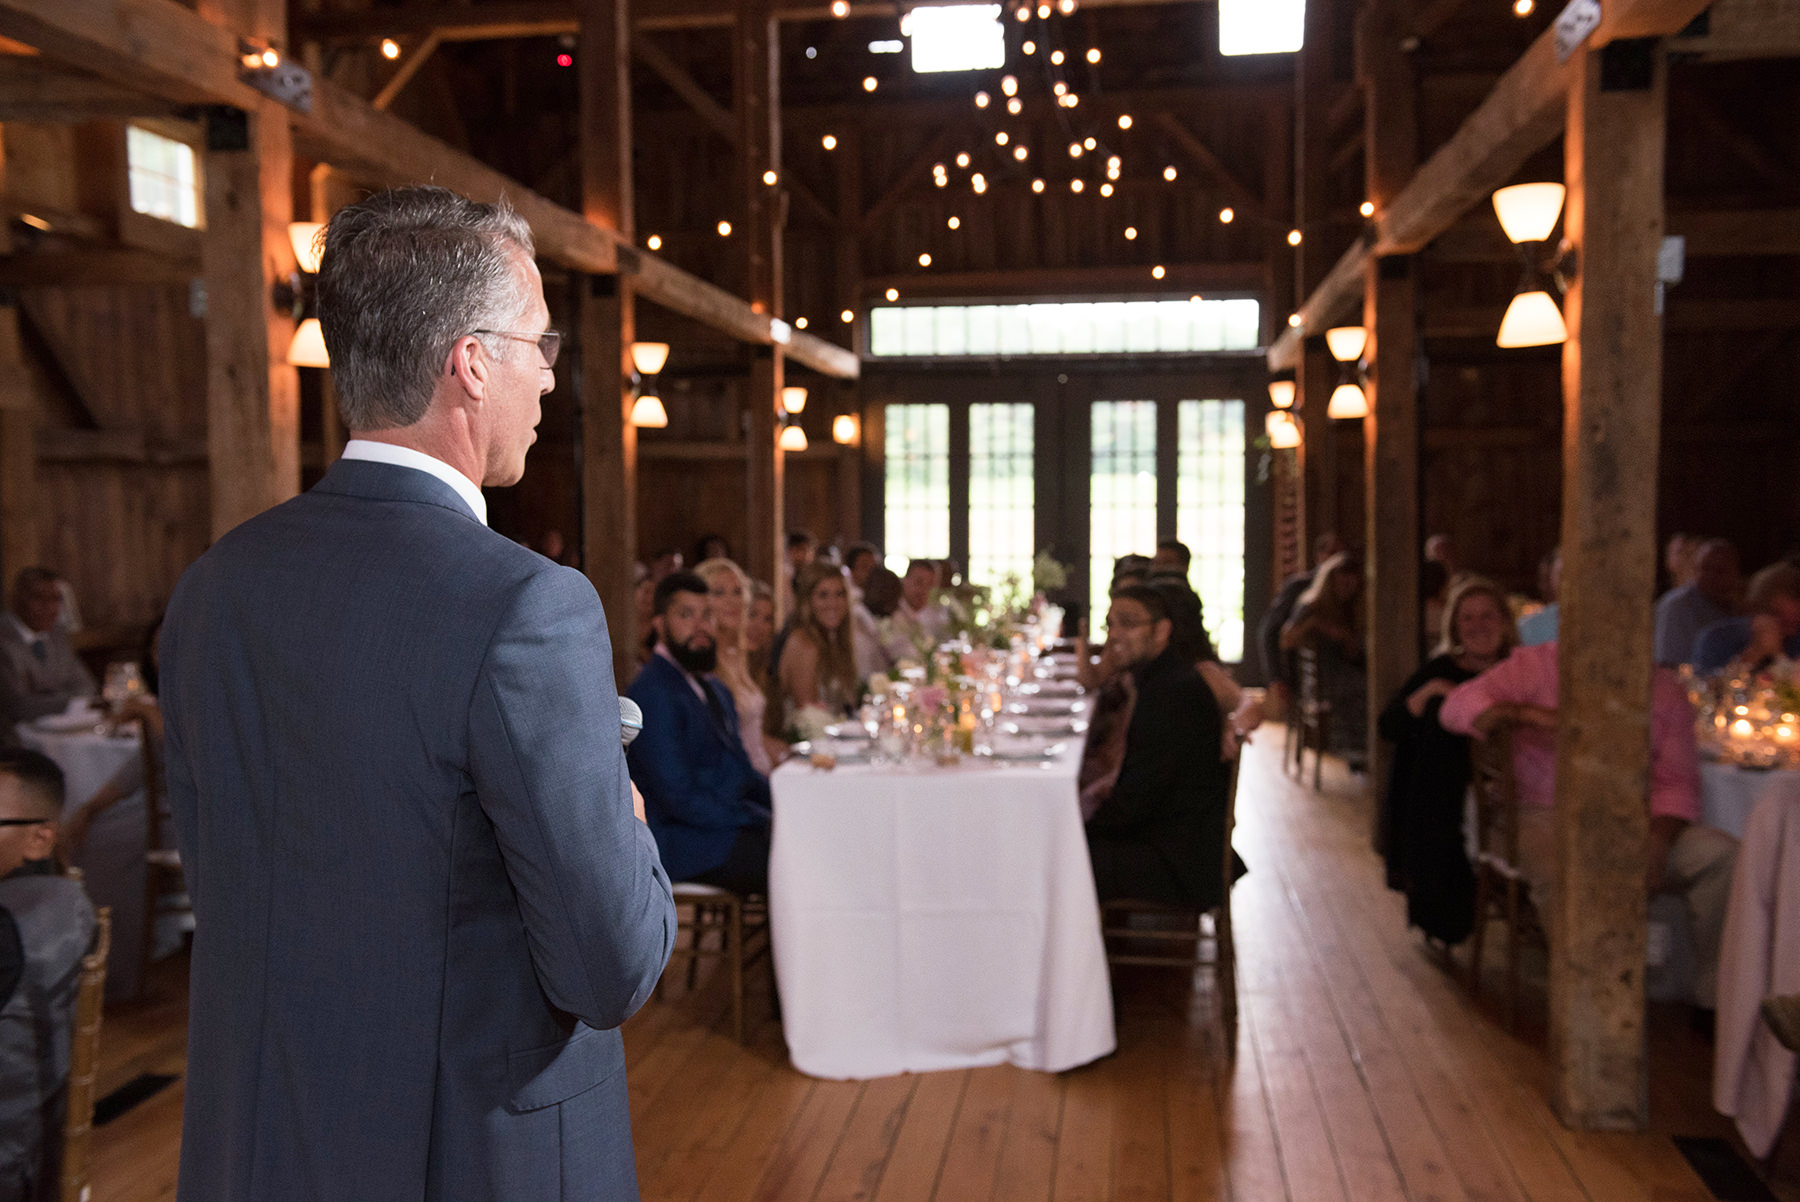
[1421, 827]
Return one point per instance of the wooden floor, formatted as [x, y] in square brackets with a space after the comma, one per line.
[1362, 1073]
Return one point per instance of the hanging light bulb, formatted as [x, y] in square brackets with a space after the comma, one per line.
[799, 323]
[1131, 233]
[724, 229]
[1124, 120]
[962, 160]
[847, 317]
[1029, 47]
[1106, 189]
[1000, 137]
[925, 260]
[770, 178]
[1089, 143]
[654, 242]
[1056, 58]
[829, 141]
[840, 8]
[978, 182]
[1169, 173]
[1015, 106]
[1074, 150]
[1009, 85]
[1076, 185]
[390, 49]
[844, 429]
[1294, 237]
[1021, 153]
[981, 100]
[869, 83]
[955, 222]
[1532, 319]
[1227, 216]
[1367, 208]
[1157, 272]
[1093, 55]
[893, 294]
[1281, 393]
[1347, 402]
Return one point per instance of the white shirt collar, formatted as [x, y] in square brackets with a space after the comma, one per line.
[693, 681]
[387, 452]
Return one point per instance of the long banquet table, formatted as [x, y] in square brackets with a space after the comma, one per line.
[936, 918]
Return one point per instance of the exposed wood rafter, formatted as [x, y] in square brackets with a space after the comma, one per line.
[1203, 156]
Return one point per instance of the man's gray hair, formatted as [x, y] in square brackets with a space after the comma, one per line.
[404, 275]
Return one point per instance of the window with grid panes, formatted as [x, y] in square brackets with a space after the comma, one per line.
[917, 491]
[1002, 531]
[163, 177]
[1209, 514]
[1122, 491]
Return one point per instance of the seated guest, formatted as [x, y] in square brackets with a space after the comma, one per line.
[877, 647]
[1678, 558]
[917, 619]
[729, 589]
[1327, 619]
[1770, 629]
[1441, 549]
[1192, 643]
[1420, 829]
[1543, 626]
[1682, 856]
[1158, 831]
[1683, 612]
[704, 802]
[759, 630]
[1172, 554]
[710, 546]
[39, 673]
[50, 922]
[802, 549]
[1277, 665]
[860, 560]
[818, 663]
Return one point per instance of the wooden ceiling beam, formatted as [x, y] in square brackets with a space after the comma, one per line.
[1026, 283]
[1521, 116]
[1745, 29]
[34, 90]
[170, 52]
[408, 68]
[537, 18]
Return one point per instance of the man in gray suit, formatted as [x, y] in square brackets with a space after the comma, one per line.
[39, 672]
[422, 900]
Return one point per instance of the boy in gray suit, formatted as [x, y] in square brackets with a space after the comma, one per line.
[423, 902]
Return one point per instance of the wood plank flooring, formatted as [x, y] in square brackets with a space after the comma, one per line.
[1362, 1073]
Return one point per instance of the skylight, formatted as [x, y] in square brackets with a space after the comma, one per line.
[955, 37]
[1261, 26]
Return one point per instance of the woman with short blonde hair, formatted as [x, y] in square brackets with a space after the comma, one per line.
[729, 590]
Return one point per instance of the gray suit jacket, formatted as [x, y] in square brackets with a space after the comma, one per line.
[421, 900]
[30, 687]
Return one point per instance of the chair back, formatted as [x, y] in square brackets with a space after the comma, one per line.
[84, 1062]
[1306, 661]
[1496, 799]
[156, 800]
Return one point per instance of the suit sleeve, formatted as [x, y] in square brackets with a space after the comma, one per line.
[545, 757]
[17, 704]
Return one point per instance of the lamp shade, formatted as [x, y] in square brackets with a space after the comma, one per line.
[308, 346]
[1528, 212]
[793, 399]
[1283, 430]
[793, 438]
[1281, 394]
[303, 236]
[649, 357]
[1346, 343]
[1347, 402]
[1532, 320]
[648, 413]
[845, 429]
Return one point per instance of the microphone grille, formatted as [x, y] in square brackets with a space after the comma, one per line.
[631, 719]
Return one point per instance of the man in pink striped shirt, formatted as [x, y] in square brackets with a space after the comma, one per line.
[1683, 857]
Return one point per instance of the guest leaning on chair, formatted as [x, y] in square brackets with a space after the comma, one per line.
[46, 925]
[1682, 856]
[423, 902]
[1420, 827]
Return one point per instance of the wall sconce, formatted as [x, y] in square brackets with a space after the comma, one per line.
[1528, 213]
[1283, 430]
[648, 360]
[793, 400]
[793, 438]
[1281, 394]
[1348, 401]
[845, 429]
[294, 296]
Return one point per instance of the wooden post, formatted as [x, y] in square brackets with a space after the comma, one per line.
[18, 431]
[1612, 393]
[252, 394]
[1391, 431]
[608, 326]
[1315, 376]
[758, 102]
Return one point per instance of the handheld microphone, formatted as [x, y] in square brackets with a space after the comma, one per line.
[631, 721]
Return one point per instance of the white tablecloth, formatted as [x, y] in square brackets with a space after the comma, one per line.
[1759, 956]
[1728, 793]
[936, 919]
[112, 857]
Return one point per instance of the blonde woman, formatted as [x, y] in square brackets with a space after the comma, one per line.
[729, 589]
[818, 661]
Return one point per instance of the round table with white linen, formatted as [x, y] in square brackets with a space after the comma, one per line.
[936, 918]
[1728, 793]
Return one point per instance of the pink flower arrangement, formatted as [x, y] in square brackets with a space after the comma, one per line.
[931, 698]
